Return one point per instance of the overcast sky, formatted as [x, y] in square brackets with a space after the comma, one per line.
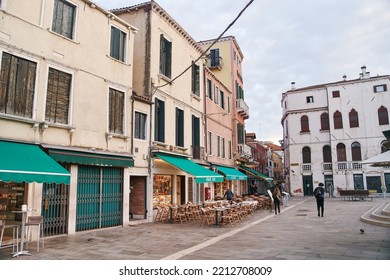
[306, 41]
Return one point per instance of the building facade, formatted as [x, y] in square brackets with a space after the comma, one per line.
[329, 129]
[66, 88]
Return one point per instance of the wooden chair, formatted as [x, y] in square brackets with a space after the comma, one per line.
[207, 217]
[6, 242]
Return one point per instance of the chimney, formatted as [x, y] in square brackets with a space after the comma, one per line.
[344, 77]
[292, 85]
[364, 74]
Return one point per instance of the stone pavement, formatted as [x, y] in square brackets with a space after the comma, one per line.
[296, 234]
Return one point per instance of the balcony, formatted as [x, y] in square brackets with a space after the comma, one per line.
[348, 165]
[198, 153]
[306, 168]
[242, 108]
[244, 151]
[327, 166]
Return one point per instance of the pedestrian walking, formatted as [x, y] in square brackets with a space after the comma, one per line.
[276, 196]
[228, 194]
[319, 193]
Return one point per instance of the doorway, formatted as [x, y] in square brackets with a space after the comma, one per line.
[137, 198]
[181, 190]
[307, 185]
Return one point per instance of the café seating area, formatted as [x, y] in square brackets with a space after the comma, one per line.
[214, 213]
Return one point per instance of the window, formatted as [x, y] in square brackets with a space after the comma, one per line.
[216, 95]
[118, 44]
[306, 155]
[305, 124]
[17, 84]
[356, 152]
[195, 137]
[210, 89]
[380, 88]
[209, 142]
[353, 118]
[140, 125]
[326, 154]
[230, 149]
[64, 18]
[239, 91]
[385, 146]
[240, 134]
[195, 79]
[165, 56]
[218, 146]
[341, 152]
[324, 121]
[159, 120]
[383, 116]
[338, 120]
[116, 111]
[228, 104]
[309, 99]
[179, 127]
[214, 58]
[223, 148]
[336, 93]
[222, 99]
[58, 96]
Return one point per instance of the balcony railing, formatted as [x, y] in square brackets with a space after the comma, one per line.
[306, 167]
[349, 165]
[327, 166]
[244, 151]
[242, 108]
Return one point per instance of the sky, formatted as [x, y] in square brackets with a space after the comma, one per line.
[303, 41]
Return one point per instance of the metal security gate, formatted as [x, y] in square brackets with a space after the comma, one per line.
[55, 201]
[99, 197]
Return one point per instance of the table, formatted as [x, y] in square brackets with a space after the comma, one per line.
[22, 252]
[216, 210]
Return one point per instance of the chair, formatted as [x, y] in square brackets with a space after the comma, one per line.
[7, 242]
[37, 222]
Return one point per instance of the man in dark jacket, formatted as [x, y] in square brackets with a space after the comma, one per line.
[319, 193]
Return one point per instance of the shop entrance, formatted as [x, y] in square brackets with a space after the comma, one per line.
[99, 197]
[137, 205]
[55, 204]
[181, 190]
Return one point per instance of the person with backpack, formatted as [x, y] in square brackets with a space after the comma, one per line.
[319, 193]
[276, 196]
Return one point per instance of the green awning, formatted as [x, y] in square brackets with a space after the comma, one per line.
[201, 174]
[20, 162]
[257, 174]
[90, 158]
[232, 173]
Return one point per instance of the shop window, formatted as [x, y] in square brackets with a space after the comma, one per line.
[12, 197]
[162, 190]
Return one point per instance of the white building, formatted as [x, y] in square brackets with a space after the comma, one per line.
[330, 128]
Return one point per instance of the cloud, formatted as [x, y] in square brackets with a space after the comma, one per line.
[309, 42]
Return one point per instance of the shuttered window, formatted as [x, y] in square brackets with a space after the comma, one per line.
[338, 120]
[116, 111]
[63, 18]
[179, 127]
[195, 79]
[305, 124]
[159, 121]
[118, 44]
[58, 97]
[353, 118]
[324, 121]
[165, 56]
[17, 84]
[140, 126]
[383, 116]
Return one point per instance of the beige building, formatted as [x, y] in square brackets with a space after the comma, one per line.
[168, 85]
[66, 88]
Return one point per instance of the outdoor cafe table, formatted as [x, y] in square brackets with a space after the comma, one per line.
[217, 210]
[22, 252]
